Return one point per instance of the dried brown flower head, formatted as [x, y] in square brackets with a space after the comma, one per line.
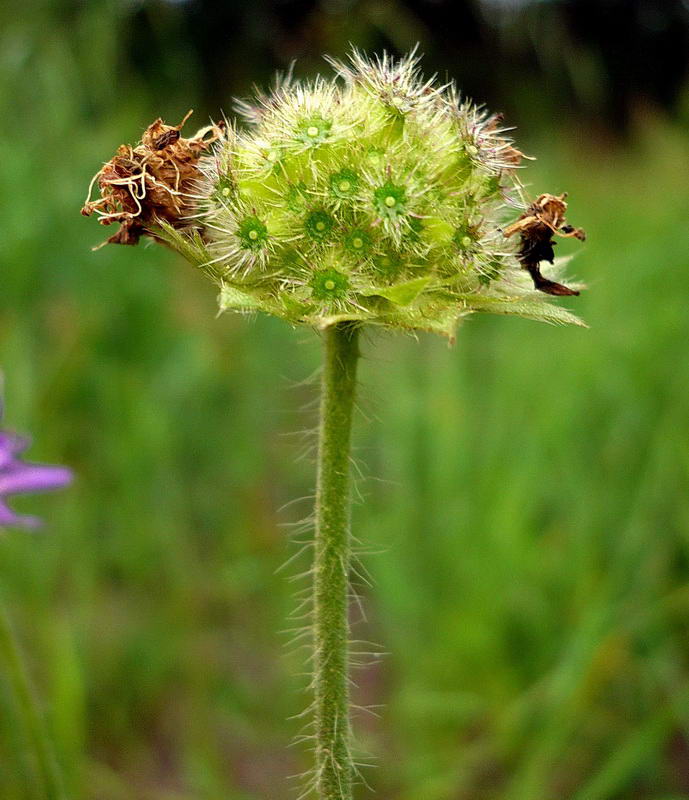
[542, 220]
[142, 185]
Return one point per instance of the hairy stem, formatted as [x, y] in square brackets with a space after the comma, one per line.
[331, 564]
[48, 773]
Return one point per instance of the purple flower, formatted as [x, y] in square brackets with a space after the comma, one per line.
[18, 477]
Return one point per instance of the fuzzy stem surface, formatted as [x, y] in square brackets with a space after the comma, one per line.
[331, 564]
[48, 775]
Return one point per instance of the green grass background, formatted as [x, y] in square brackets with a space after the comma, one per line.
[524, 505]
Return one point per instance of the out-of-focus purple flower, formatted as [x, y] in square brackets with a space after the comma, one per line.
[19, 477]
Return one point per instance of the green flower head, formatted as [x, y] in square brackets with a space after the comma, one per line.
[392, 196]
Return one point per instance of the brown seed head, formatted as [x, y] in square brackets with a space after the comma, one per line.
[542, 220]
[143, 185]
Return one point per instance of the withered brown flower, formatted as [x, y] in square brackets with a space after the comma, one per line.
[542, 220]
[142, 185]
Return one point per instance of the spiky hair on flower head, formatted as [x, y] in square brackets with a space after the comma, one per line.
[376, 196]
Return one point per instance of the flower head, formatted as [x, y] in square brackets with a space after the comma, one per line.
[20, 477]
[376, 196]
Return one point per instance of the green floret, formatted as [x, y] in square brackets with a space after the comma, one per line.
[390, 201]
[328, 285]
[319, 225]
[252, 233]
[375, 156]
[470, 149]
[465, 238]
[344, 184]
[273, 156]
[359, 242]
[389, 265]
[224, 188]
[313, 131]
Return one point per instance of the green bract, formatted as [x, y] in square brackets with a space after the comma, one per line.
[376, 196]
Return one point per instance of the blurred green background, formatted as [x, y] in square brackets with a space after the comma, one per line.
[524, 512]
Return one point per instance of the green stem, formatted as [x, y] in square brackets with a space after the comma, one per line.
[50, 780]
[331, 565]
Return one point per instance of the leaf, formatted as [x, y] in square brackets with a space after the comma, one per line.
[442, 321]
[401, 294]
[323, 322]
[539, 310]
[231, 299]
